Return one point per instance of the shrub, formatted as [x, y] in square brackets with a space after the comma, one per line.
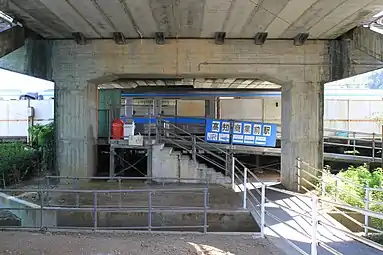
[42, 139]
[354, 195]
[17, 162]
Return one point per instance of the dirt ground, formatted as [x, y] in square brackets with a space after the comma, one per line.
[27, 243]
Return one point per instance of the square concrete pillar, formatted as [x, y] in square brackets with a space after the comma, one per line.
[76, 129]
[302, 130]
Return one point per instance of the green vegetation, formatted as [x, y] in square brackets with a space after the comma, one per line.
[350, 188]
[19, 161]
[42, 139]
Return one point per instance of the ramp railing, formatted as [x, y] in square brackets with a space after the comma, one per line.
[259, 204]
[330, 191]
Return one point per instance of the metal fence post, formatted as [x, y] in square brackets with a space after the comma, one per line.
[76, 187]
[354, 143]
[366, 206]
[4, 181]
[299, 174]
[205, 195]
[94, 211]
[381, 148]
[119, 187]
[314, 232]
[263, 211]
[47, 184]
[244, 187]
[373, 146]
[233, 173]
[323, 185]
[41, 209]
[150, 212]
[194, 149]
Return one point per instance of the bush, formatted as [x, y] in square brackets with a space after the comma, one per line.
[17, 162]
[348, 192]
[42, 139]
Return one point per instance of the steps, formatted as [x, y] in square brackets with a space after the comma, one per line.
[168, 163]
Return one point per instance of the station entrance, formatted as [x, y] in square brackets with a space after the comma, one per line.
[187, 109]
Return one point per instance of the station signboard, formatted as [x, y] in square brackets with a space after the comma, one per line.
[256, 134]
[217, 131]
[241, 133]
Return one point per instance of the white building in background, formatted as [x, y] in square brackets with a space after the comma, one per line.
[16, 113]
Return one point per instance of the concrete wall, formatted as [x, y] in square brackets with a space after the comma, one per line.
[29, 213]
[76, 66]
[255, 109]
[217, 221]
[14, 121]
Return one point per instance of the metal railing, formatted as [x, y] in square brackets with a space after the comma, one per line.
[309, 177]
[242, 179]
[75, 182]
[354, 143]
[45, 216]
[323, 182]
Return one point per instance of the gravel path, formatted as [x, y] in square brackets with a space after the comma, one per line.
[132, 244]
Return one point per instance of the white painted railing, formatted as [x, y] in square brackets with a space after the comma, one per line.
[240, 177]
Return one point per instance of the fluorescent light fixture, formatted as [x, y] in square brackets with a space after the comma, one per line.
[375, 29]
[225, 98]
[5, 17]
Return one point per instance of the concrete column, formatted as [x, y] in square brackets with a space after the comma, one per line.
[76, 129]
[302, 129]
[210, 108]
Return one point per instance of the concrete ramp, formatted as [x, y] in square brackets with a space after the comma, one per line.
[295, 228]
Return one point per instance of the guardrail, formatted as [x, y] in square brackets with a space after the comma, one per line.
[256, 202]
[50, 181]
[96, 207]
[323, 183]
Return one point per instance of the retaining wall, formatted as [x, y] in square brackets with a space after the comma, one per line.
[29, 213]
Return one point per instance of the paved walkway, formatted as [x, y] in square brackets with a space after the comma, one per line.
[297, 228]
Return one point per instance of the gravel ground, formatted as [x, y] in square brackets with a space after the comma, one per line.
[132, 244]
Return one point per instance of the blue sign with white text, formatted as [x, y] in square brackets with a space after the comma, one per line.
[241, 133]
[256, 134]
[217, 131]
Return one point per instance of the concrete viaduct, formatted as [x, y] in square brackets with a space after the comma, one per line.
[297, 44]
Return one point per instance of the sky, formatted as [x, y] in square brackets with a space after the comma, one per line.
[15, 81]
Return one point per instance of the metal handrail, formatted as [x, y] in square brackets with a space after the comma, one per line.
[191, 135]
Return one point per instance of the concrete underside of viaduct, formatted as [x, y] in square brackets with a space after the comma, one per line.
[301, 71]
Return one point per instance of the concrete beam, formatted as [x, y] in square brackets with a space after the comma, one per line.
[11, 39]
[31, 59]
[357, 52]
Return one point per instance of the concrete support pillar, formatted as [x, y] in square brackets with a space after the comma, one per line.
[210, 108]
[76, 129]
[302, 129]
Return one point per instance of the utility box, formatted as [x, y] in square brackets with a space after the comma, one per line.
[30, 112]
